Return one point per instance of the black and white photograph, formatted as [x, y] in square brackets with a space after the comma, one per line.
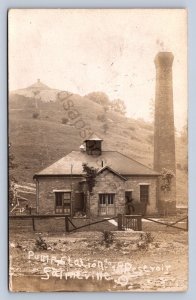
[98, 164]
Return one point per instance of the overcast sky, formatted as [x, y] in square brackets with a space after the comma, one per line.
[100, 50]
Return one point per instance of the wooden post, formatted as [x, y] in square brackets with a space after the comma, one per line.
[66, 224]
[120, 222]
[139, 223]
[33, 222]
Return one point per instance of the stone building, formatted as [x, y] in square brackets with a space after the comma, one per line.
[120, 181]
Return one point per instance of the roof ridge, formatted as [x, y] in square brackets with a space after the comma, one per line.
[93, 136]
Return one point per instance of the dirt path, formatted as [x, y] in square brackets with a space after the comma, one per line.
[77, 262]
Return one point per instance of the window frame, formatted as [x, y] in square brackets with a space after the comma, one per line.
[107, 201]
[109, 197]
[65, 202]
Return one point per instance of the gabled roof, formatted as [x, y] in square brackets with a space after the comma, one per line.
[71, 164]
[93, 137]
[112, 171]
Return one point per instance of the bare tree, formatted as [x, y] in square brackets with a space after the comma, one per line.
[119, 106]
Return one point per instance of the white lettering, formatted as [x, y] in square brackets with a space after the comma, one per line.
[30, 254]
[46, 271]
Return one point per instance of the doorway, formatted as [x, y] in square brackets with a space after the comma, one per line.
[144, 198]
[106, 204]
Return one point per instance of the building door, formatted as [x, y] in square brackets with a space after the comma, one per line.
[79, 202]
[106, 204]
[63, 203]
[144, 198]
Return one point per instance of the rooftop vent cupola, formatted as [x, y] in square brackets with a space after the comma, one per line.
[93, 145]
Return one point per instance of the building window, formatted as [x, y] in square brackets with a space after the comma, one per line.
[63, 203]
[102, 199]
[144, 193]
[106, 204]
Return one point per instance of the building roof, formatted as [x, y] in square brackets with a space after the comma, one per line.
[112, 171]
[93, 137]
[71, 164]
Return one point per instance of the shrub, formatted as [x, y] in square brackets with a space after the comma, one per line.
[64, 120]
[118, 105]
[40, 244]
[145, 241]
[125, 132]
[142, 245]
[149, 237]
[119, 245]
[166, 177]
[101, 118]
[99, 97]
[108, 238]
[132, 128]
[35, 115]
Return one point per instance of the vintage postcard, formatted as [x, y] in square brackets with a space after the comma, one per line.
[98, 169]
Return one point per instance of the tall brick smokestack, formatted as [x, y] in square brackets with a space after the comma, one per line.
[164, 132]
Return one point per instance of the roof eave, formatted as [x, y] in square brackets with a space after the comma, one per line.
[123, 176]
[57, 175]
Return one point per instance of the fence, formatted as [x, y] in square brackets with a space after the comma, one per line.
[132, 222]
[172, 224]
[124, 222]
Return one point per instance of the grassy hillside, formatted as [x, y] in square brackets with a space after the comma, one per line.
[41, 132]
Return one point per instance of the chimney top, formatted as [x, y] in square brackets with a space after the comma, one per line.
[164, 59]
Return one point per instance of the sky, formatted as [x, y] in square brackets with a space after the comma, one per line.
[112, 51]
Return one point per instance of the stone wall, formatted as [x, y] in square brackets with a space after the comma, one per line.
[46, 201]
[133, 183]
[106, 182]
